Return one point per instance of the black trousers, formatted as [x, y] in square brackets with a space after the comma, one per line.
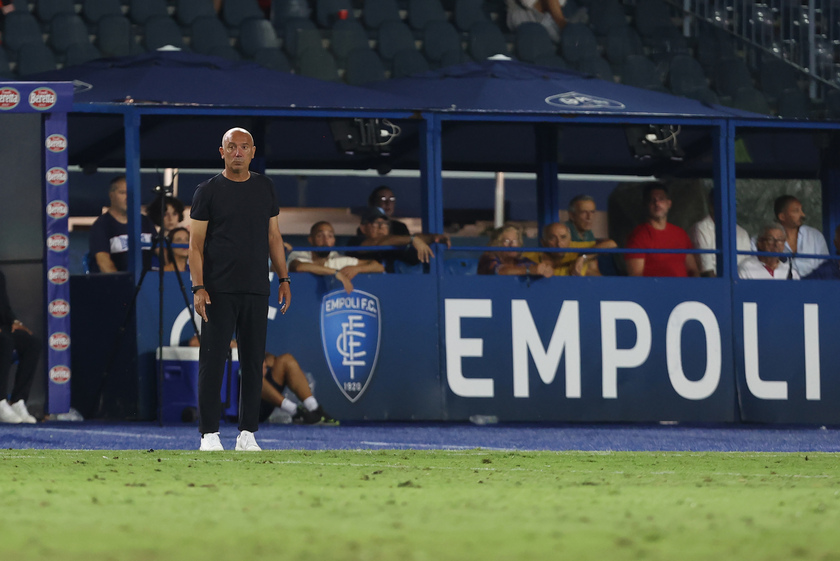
[247, 316]
[29, 349]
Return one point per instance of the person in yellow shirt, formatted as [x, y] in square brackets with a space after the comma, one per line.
[557, 235]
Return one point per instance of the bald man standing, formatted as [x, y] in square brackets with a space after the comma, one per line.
[235, 229]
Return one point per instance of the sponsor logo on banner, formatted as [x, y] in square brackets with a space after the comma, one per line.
[350, 331]
[9, 98]
[59, 308]
[60, 374]
[59, 341]
[56, 143]
[58, 243]
[56, 176]
[575, 100]
[57, 209]
[42, 99]
[58, 275]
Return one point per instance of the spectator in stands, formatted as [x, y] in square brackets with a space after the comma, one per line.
[581, 217]
[7, 6]
[510, 262]
[548, 13]
[830, 268]
[702, 236]
[330, 263]
[181, 254]
[15, 336]
[800, 238]
[557, 235]
[172, 216]
[375, 231]
[657, 233]
[384, 198]
[280, 372]
[771, 239]
[109, 234]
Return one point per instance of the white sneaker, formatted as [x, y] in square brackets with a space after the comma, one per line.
[19, 407]
[210, 442]
[7, 414]
[245, 442]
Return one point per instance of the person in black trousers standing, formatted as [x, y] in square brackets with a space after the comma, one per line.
[15, 336]
[235, 229]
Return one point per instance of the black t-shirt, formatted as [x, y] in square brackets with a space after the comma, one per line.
[109, 235]
[386, 257]
[236, 247]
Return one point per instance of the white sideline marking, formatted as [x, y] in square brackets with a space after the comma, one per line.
[116, 433]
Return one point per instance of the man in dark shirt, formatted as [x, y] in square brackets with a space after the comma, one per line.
[109, 234]
[384, 198]
[15, 336]
[235, 228]
[830, 268]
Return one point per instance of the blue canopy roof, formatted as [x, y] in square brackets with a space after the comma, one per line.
[509, 86]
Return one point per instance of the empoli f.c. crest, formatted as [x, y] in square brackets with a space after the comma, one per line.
[350, 331]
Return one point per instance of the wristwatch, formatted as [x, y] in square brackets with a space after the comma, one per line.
[197, 287]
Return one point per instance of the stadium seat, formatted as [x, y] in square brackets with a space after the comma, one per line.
[620, 44]
[551, 61]
[347, 36]
[748, 98]
[532, 41]
[651, 16]
[453, 57]
[5, 69]
[423, 12]
[364, 67]
[377, 12]
[34, 58]
[596, 66]
[160, 31]
[283, 11]
[666, 43]
[731, 74]
[19, 29]
[187, 11]
[114, 37]
[327, 11]
[208, 33]
[486, 40]
[300, 35]
[394, 36]
[793, 104]
[141, 10]
[318, 63]
[408, 62]
[639, 71]
[234, 13]
[440, 37]
[605, 17]
[273, 59]
[468, 13]
[80, 53]
[685, 75]
[256, 34]
[704, 95]
[67, 29]
[775, 76]
[712, 45]
[578, 42]
[832, 104]
[95, 10]
[46, 10]
[225, 51]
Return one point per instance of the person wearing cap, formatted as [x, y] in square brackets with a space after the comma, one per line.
[384, 198]
[375, 231]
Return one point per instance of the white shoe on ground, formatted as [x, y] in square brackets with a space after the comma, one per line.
[19, 407]
[210, 442]
[7, 414]
[245, 442]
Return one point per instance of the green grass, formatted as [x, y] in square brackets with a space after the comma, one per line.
[417, 505]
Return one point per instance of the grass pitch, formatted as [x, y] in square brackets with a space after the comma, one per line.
[417, 505]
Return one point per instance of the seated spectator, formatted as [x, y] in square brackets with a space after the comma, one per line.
[109, 233]
[799, 237]
[702, 236]
[281, 372]
[657, 233]
[172, 217]
[384, 198]
[330, 263]
[548, 13]
[375, 230]
[557, 235]
[771, 239]
[510, 262]
[830, 268]
[181, 254]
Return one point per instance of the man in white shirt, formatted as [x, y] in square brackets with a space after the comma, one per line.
[771, 240]
[799, 237]
[702, 236]
[548, 13]
[330, 263]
